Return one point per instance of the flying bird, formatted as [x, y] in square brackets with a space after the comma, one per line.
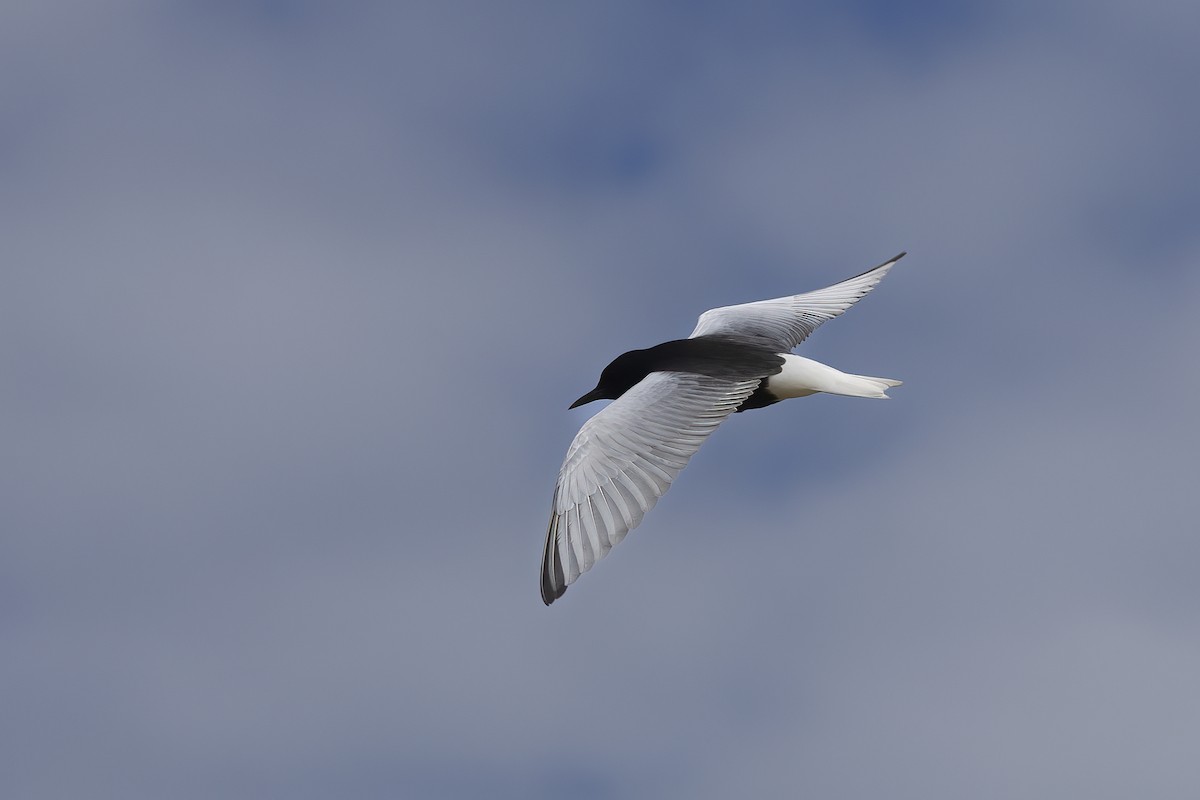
[667, 399]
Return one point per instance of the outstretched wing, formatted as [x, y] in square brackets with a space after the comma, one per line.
[623, 459]
[785, 322]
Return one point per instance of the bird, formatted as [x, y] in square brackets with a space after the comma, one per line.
[669, 398]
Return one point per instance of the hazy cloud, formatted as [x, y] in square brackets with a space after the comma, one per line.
[294, 298]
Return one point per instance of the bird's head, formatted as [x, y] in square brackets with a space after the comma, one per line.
[625, 370]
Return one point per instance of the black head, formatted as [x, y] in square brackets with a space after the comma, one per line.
[618, 377]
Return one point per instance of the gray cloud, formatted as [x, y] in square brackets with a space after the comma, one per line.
[294, 300]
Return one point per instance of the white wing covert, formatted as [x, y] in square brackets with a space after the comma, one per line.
[785, 322]
[623, 459]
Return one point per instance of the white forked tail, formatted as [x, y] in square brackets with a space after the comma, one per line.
[803, 376]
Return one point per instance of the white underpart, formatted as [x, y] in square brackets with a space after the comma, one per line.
[803, 376]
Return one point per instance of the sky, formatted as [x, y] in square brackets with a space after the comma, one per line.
[294, 297]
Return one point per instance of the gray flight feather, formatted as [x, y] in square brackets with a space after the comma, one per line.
[785, 322]
[623, 459]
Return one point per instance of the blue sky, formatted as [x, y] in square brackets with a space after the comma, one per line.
[295, 295]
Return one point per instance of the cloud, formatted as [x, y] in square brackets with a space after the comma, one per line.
[295, 298]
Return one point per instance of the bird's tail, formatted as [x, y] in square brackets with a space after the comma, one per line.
[864, 386]
[802, 376]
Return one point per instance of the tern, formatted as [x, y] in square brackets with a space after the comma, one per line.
[669, 398]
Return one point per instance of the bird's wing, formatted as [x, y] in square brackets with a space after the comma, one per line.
[623, 459]
[785, 322]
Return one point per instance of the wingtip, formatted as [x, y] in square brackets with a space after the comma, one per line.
[554, 583]
[552, 590]
[884, 267]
